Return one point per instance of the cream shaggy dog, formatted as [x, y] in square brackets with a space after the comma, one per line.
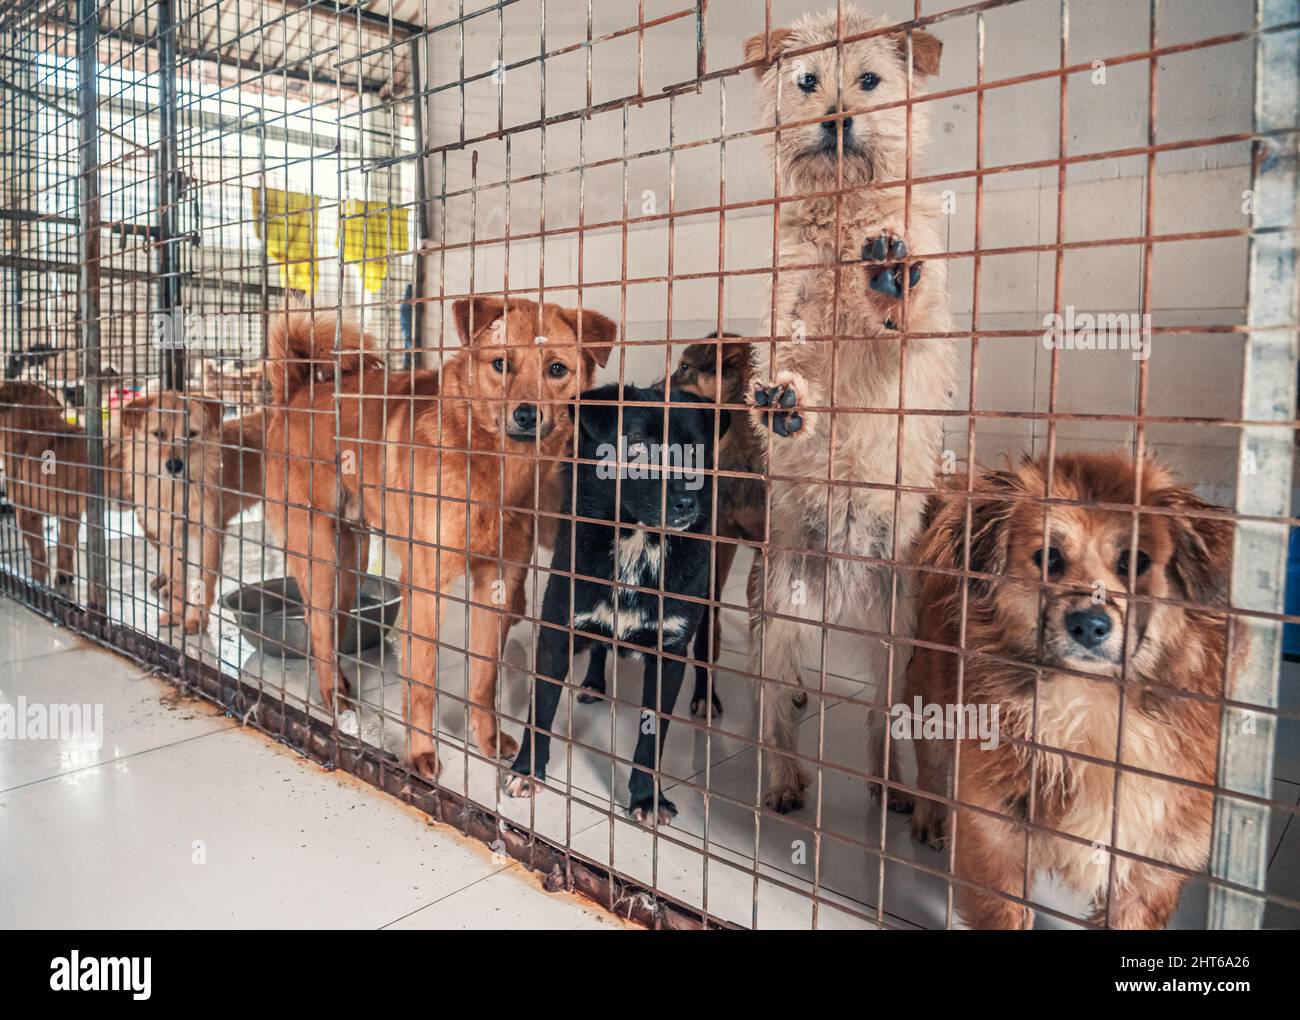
[866, 237]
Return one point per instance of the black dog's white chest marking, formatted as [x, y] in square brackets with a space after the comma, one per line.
[638, 560]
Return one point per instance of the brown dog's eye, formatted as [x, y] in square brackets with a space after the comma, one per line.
[194, 433]
[1143, 564]
[157, 434]
[499, 364]
[559, 370]
[1055, 561]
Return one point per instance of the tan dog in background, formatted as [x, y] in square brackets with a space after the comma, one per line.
[1175, 657]
[188, 474]
[821, 361]
[445, 462]
[45, 473]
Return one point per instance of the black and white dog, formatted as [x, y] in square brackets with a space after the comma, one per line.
[657, 487]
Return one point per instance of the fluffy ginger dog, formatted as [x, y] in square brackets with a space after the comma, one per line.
[855, 241]
[1062, 729]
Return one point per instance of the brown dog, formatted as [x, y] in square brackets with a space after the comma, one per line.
[188, 475]
[720, 372]
[447, 462]
[45, 473]
[1080, 620]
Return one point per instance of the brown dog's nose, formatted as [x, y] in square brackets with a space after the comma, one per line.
[174, 466]
[1088, 627]
[525, 417]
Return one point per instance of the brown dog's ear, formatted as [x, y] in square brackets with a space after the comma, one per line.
[926, 50]
[472, 314]
[210, 409]
[595, 332]
[1202, 546]
[766, 48]
[735, 355]
[133, 414]
[944, 541]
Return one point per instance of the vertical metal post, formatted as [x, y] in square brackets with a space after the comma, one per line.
[88, 200]
[169, 280]
[23, 135]
[421, 205]
[1240, 849]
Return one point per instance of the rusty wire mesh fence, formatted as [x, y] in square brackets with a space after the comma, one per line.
[946, 582]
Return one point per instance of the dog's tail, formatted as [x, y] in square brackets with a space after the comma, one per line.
[301, 346]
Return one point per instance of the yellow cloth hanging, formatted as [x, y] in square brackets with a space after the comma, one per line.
[372, 232]
[289, 219]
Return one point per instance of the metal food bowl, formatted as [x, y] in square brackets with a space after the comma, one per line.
[273, 619]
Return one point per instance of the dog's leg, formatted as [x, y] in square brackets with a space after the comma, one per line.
[196, 613]
[776, 651]
[347, 576]
[177, 574]
[32, 527]
[890, 693]
[552, 660]
[708, 641]
[991, 853]
[488, 628]
[423, 621]
[658, 700]
[594, 681]
[310, 556]
[1146, 901]
[930, 817]
[69, 527]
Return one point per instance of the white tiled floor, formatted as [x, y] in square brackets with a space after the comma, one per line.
[182, 819]
[765, 877]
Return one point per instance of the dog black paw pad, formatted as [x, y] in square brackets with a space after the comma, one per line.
[783, 420]
[889, 281]
[787, 425]
[877, 249]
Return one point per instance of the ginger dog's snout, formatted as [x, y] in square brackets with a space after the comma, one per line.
[1088, 628]
[524, 420]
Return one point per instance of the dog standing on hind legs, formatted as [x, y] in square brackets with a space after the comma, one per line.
[864, 280]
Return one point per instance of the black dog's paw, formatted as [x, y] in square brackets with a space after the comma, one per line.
[890, 250]
[700, 705]
[642, 810]
[779, 403]
[593, 690]
[522, 775]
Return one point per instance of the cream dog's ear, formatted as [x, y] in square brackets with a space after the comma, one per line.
[926, 50]
[767, 48]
